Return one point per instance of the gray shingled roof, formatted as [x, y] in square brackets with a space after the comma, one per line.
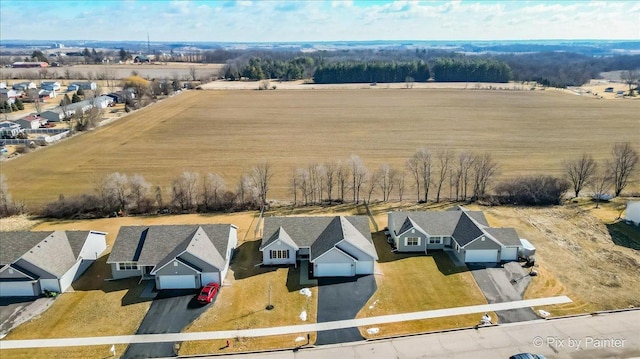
[77, 240]
[14, 245]
[53, 254]
[157, 245]
[320, 233]
[461, 224]
[279, 234]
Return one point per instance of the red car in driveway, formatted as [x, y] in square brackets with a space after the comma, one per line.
[208, 292]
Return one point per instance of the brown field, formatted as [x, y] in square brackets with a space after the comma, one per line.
[226, 132]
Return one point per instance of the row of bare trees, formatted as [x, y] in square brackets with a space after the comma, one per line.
[585, 172]
[467, 175]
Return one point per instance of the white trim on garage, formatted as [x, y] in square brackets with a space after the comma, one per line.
[187, 281]
[481, 255]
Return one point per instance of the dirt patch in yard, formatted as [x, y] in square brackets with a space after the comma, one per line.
[576, 256]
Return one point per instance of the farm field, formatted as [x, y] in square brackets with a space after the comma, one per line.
[226, 132]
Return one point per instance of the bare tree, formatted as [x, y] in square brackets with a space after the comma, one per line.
[400, 184]
[261, 176]
[372, 184]
[601, 183]
[158, 195]
[461, 177]
[212, 188]
[329, 174]
[5, 196]
[358, 176]
[443, 161]
[139, 191]
[631, 78]
[484, 168]
[193, 73]
[342, 176]
[580, 172]
[622, 165]
[293, 185]
[386, 177]
[185, 190]
[304, 182]
[421, 167]
[118, 188]
[245, 190]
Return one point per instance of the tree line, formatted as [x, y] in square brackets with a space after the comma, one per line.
[471, 70]
[425, 176]
[374, 71]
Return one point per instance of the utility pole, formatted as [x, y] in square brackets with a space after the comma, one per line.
[148, 45]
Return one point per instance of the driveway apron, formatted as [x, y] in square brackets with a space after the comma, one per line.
[340, 299]
[170, 312]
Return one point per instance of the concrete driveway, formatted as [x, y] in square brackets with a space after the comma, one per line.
[339, 299]
[170, 312]
[504, 284]
[17, 310]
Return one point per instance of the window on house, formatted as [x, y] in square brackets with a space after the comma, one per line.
[413, 241]
[128, 266]
[435, 240]
[279, 254]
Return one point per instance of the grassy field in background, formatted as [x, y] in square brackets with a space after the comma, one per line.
[226, 132]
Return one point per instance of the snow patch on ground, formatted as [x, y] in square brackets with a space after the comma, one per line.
[303, 316]
[305, 291]
[544, 313]
[373, 330]
[300, 339]
[374, 304]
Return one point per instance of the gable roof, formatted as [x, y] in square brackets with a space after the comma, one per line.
[158, 245]
[320, 233]
[282, 235]
[461, 224]
[52, 252]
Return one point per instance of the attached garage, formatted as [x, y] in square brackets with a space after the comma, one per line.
[206, 278]
[19, 289]
[509, 254]
[364, 267]
[481, 255]
[334, 270]
[177, 282]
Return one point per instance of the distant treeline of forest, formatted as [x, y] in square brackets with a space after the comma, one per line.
[557, 69]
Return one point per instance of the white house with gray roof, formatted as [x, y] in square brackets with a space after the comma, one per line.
[32, 262]
[338, 246]
[175, 256]
[465, 233]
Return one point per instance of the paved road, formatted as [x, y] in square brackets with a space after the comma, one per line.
[614, 335]
[340, 299]
[497, 286]
[170, 312]
[261, 332]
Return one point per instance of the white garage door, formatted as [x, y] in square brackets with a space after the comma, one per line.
[481, 255]
[509, 253]
[177, 282]
[17, 289]
[364, 267]
[334, 270]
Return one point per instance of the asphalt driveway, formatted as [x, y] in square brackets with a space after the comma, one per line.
[170, 312]
[339, 299]
[504, 284]
[17, 310]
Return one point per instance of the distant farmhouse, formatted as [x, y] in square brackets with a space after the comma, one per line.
[27, 65]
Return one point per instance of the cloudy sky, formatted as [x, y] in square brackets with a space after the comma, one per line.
[316, 20]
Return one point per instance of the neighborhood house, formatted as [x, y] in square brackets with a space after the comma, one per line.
[335, 246]
[31, 122]
[32, 262]
[175, 256]
[464, 233]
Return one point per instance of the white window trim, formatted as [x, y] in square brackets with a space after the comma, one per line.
[122, 266]
[406, 241]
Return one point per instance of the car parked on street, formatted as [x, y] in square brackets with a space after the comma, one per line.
[208, 292]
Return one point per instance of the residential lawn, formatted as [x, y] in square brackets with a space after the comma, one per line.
[576, 255]
[417, 282]
[242, 301]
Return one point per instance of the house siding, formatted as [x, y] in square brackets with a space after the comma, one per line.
[478, 243]
[354, 252]
[334, 256]
[94, 246]
[120, 274]
[278, 246]
[172, 269]
[50, 284]
[67, 278]
[402, 238]
[16, 274]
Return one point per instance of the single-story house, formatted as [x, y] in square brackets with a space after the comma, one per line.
[28, 64]
[31, 122]
[53, 84]
[85, 85]
[9, 95]
[102, 101]
[32, 262]
[632, 213]
[465, 233]
[175, 256]
[23, 86]
[3, 85]
[72, 87]
[9, 129]
[53, 115]
[339, 246]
